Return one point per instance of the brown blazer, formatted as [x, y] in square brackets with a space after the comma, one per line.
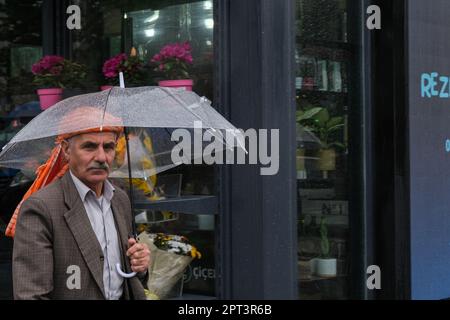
[53, 232]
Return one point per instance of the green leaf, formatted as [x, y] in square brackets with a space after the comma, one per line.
[335, 128]
[335, 121]
[322, 117]
[337, 144]
[308, 114]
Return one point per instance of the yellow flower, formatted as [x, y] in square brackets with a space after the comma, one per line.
[195, 253]
[151, 295]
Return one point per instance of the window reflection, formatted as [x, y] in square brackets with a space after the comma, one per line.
[20, 47]
[322, 58]
[113, 27]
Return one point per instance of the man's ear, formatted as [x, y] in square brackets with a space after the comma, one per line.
[65, 147]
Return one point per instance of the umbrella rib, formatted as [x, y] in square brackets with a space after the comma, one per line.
[104, 109]
[197, 116]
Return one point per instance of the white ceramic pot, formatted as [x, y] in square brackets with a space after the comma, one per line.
[324, 267]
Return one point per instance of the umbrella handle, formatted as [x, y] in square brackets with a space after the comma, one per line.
[123, 274]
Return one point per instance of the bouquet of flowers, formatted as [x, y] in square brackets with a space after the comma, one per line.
[130, 65]
[174, 60]
[58, 72]
[170, 255]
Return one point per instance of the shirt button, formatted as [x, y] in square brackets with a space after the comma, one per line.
[102, 258]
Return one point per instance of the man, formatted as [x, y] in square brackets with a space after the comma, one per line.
[70, 235]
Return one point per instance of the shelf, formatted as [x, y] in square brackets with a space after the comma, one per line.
[207, 205]
[314, 278]
[343, 47]
[321, 92]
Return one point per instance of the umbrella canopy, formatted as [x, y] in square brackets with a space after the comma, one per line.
[160, 110]
[153, 113]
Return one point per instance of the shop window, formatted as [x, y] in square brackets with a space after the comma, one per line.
[323, 56]
[20, 47]
[187, 203]
[113, 27]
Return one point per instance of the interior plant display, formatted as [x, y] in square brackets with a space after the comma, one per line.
[54, 73]
[325, 265]
[318, 121]
[173, 62]
[131, 66]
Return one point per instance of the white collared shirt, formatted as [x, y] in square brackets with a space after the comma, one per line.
[102, 220]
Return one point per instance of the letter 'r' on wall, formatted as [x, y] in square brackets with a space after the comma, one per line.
[426, 85]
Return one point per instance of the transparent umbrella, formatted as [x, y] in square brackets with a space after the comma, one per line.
[153, 111]
[162, 110]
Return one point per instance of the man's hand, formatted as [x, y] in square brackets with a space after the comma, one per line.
[139, 255]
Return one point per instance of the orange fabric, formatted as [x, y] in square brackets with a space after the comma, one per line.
[55, 167]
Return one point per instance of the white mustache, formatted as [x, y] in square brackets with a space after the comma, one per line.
[96, 165]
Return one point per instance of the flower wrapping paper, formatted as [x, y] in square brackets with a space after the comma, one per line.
[165, 269]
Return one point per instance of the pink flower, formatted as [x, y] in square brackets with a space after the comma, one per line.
[167, 51]
[174, 52]
[187, 46]
[179, 52]
[56, 70]
[36, 68]
[46, 64]
[157, 57]
[111, 67]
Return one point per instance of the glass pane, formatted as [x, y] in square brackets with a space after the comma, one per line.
[20, 47]
[114, 27]
[323, 56]
[109, 28]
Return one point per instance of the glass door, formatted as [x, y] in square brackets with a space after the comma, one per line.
[324, 87]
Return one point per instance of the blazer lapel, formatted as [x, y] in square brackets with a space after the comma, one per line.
[80, 226]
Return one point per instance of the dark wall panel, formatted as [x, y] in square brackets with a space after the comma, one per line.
[429, 129]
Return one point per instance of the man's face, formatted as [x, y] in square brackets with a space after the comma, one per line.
[90, 156]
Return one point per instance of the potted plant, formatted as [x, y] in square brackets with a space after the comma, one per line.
[324, 266]
[54, 73]
[173, 61]
[318, 121]
[131, 66]
[48, 77]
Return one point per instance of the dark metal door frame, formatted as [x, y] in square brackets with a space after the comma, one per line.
[254, 74]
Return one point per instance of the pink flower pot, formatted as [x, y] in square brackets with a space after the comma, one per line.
[185, 83]
[103, 88]
[49, 97]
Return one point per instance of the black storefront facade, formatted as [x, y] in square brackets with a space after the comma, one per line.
[270, 63]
